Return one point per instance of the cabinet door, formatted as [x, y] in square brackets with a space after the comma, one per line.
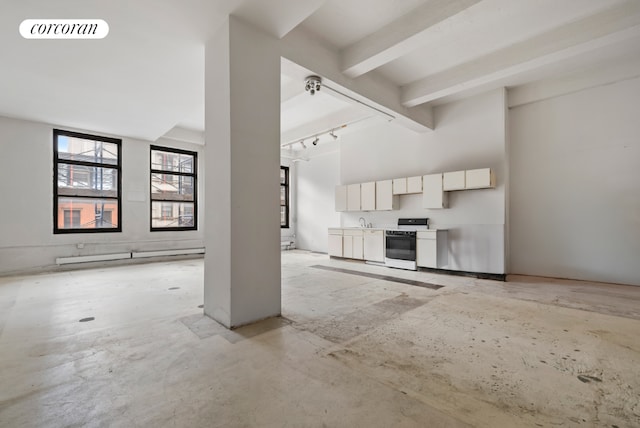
[453, 180]
[335, 245]
[433, 195]
[353, 197]
[479, 178]
[399, 186]
[374, 245]
[368, 196]
[341, 198]
[357, 248]
[414, 184]
[427, 253]
[347, 247]
[385, 200]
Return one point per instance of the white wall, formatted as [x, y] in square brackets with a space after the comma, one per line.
[27, 241]
[575, 185]
[315, 209]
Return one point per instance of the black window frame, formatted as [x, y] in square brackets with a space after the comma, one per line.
[118, 167]
[286, 187]
[193, 174]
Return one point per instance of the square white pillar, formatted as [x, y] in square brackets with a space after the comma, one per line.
[242, 175]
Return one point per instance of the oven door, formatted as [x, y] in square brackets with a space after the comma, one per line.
[401, 247]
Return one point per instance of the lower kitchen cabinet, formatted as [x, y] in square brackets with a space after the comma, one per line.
[356, 243]
[352, 244]
[432, 248]
[374, 245]
[335, 242]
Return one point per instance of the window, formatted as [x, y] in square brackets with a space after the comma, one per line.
[173, 189]
[86, 184]
[284, 197]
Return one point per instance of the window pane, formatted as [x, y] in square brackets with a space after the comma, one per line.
[283, 216]
[172, 187]
[172, 214]
[283, 195]
[85, 213]
[173, 162]
[283, 176]
[79, 180]
[81, 149]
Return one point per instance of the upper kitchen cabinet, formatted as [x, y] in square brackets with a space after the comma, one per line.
[406, 185]
[479, 178]
[341, 198]
[385, 199]
[353, 197]
[399, 186]
[453, 181]
[414, 184]
[368, 196]
[433, 195]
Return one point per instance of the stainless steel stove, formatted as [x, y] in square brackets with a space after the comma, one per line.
[400, 243]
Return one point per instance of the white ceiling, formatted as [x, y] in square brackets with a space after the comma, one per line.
[147, 76]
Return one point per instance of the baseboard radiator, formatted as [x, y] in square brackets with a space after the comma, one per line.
[287, 244]
[124, 256]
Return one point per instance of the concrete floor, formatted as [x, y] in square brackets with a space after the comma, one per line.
[349, 351]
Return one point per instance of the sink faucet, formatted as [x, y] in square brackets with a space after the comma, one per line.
[363, 222]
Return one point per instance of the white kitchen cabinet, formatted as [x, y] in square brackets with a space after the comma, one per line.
[341, 198]
[453, 181]
[368, 196]
[374, 245]
[353, 197]
[335, 242]
[399, 186]
[433, 195]
[358, 247]
[414, 184]
[385, 199]
[352, 244]
[432, 248]
[479, 178]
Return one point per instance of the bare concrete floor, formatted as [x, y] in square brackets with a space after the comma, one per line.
[349, 351]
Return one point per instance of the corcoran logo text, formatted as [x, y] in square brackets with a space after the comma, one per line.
[64, 29]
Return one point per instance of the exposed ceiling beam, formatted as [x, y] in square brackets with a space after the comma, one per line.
[277, 17]
[611, 26]
[308, 53]
[399, 37]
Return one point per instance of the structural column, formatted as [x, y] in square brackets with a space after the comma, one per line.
[242, 214]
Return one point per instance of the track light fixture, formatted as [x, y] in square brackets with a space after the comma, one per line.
[335, 137]
[312, 84]
[315, 141]
[304, 146]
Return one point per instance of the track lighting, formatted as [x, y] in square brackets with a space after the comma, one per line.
[316, 137]
[312, 84]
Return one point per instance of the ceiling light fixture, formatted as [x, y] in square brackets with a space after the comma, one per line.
[312, 84]
[316, 137]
